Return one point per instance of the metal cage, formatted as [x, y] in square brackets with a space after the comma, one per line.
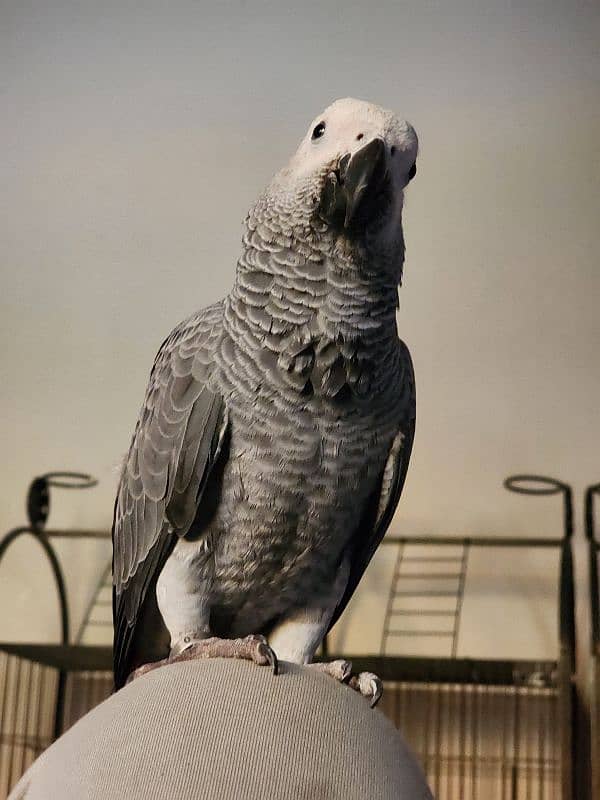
[482, 729]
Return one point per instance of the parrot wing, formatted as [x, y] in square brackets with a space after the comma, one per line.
[176, 442]
[382, 504]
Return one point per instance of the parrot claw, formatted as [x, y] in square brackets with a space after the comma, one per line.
[270, 656]
[366, 683]
[369, 685]
[376, 692]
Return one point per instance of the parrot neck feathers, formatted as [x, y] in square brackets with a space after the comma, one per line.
[318, 319]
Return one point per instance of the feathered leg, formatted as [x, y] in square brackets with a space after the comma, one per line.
[297, 637]
[182, 594]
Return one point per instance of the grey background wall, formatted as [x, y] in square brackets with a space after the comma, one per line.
[134, 138]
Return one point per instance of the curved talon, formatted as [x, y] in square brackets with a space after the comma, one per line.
[345, 669]
[377, 691]
[269, 654]
[264, 650]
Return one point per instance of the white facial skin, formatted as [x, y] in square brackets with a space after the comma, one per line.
[347, 120]
[349, 126]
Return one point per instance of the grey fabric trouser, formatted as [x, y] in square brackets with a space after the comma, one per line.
[228, 730]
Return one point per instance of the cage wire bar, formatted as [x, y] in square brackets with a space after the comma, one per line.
[593, 492]
[98, 614]
[496, 729]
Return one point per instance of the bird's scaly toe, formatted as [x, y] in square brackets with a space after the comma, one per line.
[251, 648]
[340, 669]
[144, 668]
[262, 653]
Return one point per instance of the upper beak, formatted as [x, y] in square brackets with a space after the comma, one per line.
[361, 173]
[358, 177]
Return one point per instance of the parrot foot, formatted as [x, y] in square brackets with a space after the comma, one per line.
[369, 685]
[366, 683]
[252, 648]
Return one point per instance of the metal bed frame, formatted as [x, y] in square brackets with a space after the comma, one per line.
[482, 729]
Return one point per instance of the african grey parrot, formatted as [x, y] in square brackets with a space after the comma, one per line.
[273, 442]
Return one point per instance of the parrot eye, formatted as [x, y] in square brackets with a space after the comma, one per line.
[318, 131]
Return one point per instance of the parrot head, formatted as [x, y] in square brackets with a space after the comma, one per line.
[349, 174]
[370, 156]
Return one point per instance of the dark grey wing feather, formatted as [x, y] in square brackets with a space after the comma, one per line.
[175, 444]
[383, 503]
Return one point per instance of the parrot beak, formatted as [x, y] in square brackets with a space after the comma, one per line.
[362, 175]
[351, 194]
